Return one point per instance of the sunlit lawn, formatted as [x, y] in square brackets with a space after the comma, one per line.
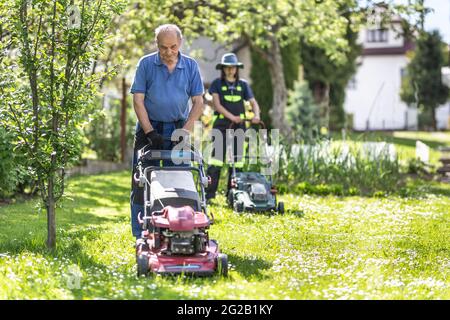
[323, 248]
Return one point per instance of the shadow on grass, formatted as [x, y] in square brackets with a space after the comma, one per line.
[389, 138]
[67, 256]
[19, 226]
[24, 226]
[68, 244]
[103, 187]
[412, 142]
[442, 191]
[78, 207]
[417, 187]
[83, 205]
[71, 253]
[102, 193]
[249, 267]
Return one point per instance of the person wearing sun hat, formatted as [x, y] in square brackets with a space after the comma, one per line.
[229, 93]
[229, 60]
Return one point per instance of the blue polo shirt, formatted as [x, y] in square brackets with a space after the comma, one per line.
[167, 94]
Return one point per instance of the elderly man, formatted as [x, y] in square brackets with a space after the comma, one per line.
[163, 84]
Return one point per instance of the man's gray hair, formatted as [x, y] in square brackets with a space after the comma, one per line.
[167, 28]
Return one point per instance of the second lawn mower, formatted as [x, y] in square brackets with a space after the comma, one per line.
[252, 191]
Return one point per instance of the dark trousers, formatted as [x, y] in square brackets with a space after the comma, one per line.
[137, 193]
[214, 173]
[215, 168]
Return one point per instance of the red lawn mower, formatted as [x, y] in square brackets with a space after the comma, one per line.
[175, 221]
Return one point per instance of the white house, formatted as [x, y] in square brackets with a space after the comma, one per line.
[373, 95]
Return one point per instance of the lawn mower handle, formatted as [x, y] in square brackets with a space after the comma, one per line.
[138, 177]
[141, 152]
[260, 123]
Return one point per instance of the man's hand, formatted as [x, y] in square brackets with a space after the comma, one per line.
[155, 140]
[236, 119]
[256, 120]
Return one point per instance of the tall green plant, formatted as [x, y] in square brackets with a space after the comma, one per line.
[302, 113]
[332, 167]
[57, 42]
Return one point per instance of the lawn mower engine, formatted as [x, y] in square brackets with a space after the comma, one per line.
[257, 191]
[180, 231]
[250, 191]
[186, 242]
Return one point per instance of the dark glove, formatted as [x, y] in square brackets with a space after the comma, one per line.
[155, 140]
[140, 140]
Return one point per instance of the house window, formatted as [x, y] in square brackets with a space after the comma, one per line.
[352, 83]
[377, 35]
[403, 73]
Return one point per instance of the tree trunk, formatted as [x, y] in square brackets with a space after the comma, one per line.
[123, 118]
[321, 92]
[279, 88]
[274, 58]
[51, 216]
[433, 119]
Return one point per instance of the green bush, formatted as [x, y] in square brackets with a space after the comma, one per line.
[418, 167]
[425, 120]
[103, 133]
[261, 85]
[302, 113]
[12, 167]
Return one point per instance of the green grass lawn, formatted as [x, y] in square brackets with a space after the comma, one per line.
[322, 248]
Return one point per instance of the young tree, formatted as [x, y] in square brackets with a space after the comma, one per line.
[56, 44]
[327, 78]
[302, 113]
[423, 85]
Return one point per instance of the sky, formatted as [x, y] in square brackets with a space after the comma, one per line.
[438, 19]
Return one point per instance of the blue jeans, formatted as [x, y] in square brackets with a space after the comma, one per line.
[137, 194]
